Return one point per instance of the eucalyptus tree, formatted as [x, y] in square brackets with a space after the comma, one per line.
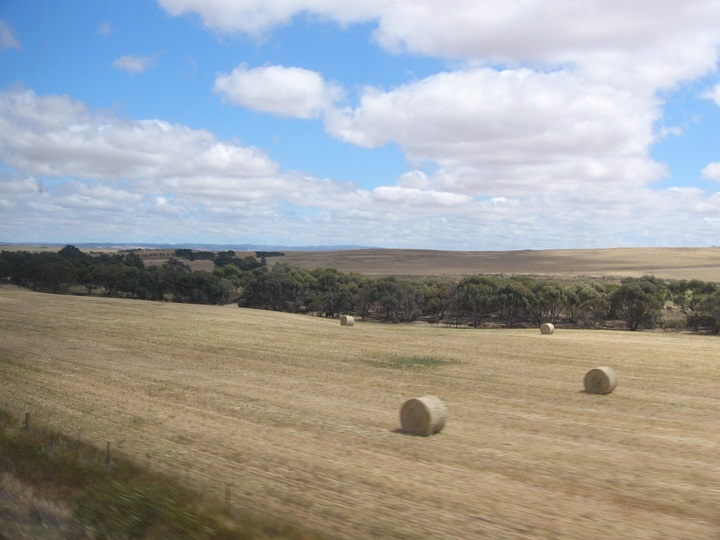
[476, 297]
[437, 295]
[706, 313]
[588, 303]
[639, 302]
[333, 292]
[512, 301]
[548, 301]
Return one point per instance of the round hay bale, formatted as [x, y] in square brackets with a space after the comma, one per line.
[423, 415]
[547, 328]
[600, 380]
[347, 320]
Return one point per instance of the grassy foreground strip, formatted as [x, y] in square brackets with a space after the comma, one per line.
[53, 486]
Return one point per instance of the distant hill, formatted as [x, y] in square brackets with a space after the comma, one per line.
[701, 263]
[669, 263]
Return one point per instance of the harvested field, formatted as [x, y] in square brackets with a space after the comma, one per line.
[296, 416]
[669, 263]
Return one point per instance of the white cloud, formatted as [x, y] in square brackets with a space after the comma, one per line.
[643, 44]
[713, 94]
[155, 181]
[413, 197]
[414, 179]
[574, 106]
[494, 132]
[592, 219]
[8, 40]
[135, 64]
[125, 177]
[76, 195]
[595, 218]
[712, 172]
[55, 136]
[256, 17]
[284, 91]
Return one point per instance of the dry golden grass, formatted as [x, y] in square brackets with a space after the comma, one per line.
[296, 416]
[671, 263]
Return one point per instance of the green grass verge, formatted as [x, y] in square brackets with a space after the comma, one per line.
[121, 499]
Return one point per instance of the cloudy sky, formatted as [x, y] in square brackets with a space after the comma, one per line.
[463, 124]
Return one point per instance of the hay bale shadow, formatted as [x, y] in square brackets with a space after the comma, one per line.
[401, 431]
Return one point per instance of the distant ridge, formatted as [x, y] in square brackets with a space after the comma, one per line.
[195, 246]
[671, 263]
[701, 263]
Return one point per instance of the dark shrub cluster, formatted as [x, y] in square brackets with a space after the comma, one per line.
[474, 300]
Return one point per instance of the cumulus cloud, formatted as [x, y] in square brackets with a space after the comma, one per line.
[135, 64]
[69, 159]
[168, 182]
[574, 103]
[492, 131]
[155, 181]
[545, 125]
[284, 91]
[56, 136]
[551, 95]
[645, 44]
[414, 179]
[712, 172]
[8, 40]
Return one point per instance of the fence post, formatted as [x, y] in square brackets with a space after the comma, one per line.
[27, 421]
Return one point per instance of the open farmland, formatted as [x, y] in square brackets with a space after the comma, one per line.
[298, 416]
[701, 263]
[669, 263]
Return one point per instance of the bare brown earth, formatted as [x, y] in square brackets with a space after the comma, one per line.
[670, 263]
[298, 416]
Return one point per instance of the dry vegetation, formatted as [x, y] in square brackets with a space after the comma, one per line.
[298, 416]
[670, 263]
[26, 514]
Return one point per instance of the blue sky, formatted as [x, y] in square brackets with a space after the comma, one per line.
[464, 126]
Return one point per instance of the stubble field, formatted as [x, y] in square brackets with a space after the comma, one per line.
[564, 264]
[297, 416]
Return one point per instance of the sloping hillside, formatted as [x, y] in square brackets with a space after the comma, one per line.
[671, 263]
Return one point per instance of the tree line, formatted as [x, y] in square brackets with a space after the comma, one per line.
[474, 300]
[114, 275]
